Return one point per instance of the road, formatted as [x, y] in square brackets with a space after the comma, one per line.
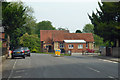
[47, 66]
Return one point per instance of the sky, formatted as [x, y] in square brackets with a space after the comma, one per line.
[69, 14]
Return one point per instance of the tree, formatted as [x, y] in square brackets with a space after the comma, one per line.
[78, 31]
[107, 21]
[61, 28]
[13, 16]
[17, 20]
[44, 25]
[31, 41]
[88, 28]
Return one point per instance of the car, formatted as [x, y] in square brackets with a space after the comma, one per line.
[90, 51]
[19, 52]
[27, 51]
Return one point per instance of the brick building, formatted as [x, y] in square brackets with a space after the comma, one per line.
[62, 39]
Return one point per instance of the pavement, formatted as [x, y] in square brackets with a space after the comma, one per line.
[109, 58]
[99, 56]
[48, 66]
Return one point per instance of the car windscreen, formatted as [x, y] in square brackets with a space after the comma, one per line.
[25, 48]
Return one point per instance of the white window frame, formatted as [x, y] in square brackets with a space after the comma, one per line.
[70, 46]
[80, 46]
[61, 45]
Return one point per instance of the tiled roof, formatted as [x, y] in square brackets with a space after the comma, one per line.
[47, 35]
[74, 36]
[61, 35]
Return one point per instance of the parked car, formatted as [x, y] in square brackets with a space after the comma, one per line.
[27, 51]
[90, 50]
[19, 52]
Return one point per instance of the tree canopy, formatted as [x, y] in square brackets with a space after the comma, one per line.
[78, 31]
[17, 20]
[31, 41]
[88, 28]
[13, 14]
[44, 25]
[107, 21]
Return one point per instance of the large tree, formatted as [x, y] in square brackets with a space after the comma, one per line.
[107, 21]
[13, 14]
[44, 25]
[88, 28]
[17, 20]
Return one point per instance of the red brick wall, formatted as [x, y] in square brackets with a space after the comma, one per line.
[75, 48]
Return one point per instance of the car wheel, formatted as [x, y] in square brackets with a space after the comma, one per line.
[23, 57]
[12, 57]
[29, 55]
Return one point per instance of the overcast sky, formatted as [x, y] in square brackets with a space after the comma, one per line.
[71, 14]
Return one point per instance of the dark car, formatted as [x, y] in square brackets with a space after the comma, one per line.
[27, 51]
[19, 52]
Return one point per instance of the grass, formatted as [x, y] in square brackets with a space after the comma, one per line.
[54, 53]
[0, 44]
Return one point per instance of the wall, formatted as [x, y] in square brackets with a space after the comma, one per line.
[91, 45]
[56, 45]
[75, 48]
[116, 52]
[103, 51]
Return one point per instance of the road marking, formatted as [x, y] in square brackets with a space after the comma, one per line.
[20, 71]
[110, 77]
[12, 70]
[108, 61]
[93, 69]
[17, 77]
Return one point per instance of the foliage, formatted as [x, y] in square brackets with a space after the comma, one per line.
[44, 25]
[31, 41]
[107, 21]
[17, 20]
[0, 43]
[0, 12]
[13, 16]
[98, 40]
[88, 28]
[61, 28]
[78, 31]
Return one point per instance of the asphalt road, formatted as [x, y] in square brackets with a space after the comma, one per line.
[47, 66]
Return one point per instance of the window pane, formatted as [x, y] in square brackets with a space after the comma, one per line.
[80, 46]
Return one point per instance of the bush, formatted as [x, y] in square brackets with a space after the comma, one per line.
[97, 51]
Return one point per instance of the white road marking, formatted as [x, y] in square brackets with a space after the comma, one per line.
[112, 77]
[20, 71]
[17, 77]
[12, 70]
[93, 69]
[108, 61]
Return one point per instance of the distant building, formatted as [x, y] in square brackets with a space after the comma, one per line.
[62, 39]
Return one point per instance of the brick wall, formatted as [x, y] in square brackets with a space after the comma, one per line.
[75, 48]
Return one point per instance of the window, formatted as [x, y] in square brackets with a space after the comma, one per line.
[70, 46]
[80, 46]
[86, 45]
[61, 45]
